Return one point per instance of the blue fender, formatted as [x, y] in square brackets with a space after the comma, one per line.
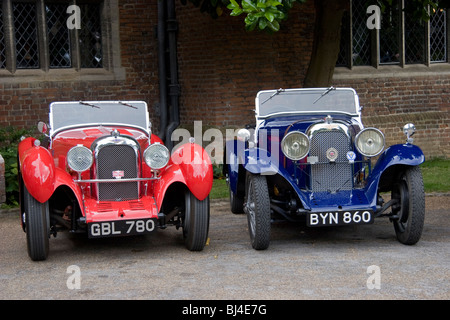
[399, 154]
[260, 161]
[255, 161]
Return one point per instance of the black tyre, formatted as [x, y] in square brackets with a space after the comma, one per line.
[410, 212]
[257, 206]
[36, 220]
[195, 222]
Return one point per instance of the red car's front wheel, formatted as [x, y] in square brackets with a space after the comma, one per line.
[195, 222]
[36, 219]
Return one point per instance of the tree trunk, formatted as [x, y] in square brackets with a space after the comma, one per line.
[327, 37]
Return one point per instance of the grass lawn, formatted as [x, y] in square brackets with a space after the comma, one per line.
[436, 175]
[436, 178]
[219, 189]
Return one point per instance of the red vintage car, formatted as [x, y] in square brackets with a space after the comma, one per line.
[100, 171]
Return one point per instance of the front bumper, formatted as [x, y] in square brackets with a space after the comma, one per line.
[99, 211]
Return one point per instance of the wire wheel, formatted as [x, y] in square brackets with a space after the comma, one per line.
[410, 211]
[257, 207]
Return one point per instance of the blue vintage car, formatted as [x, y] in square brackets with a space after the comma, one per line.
[309, 157]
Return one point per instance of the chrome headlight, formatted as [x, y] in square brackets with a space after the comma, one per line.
[295, 145]
[79, 158]
[156, 156]
[370, 142]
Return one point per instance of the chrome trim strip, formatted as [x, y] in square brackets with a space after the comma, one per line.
[115, 180]
[328, 127]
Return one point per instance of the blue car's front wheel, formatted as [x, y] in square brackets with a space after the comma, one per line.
[410, 212]
[257, 207]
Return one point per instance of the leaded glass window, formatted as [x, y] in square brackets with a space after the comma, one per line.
[58, 36]
[2, 42]
[438, 36]
[90, 36]
[36, 34]
[25, 32]
[403, 38]
[361, 35]
[389, 49]
[415, 36]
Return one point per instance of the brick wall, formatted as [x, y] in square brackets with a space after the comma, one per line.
[222, 66]
[390, 103]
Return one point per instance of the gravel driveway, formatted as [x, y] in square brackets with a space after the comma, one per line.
[364, 262]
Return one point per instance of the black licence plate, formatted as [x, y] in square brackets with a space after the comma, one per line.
[339, 218]
[119, 228]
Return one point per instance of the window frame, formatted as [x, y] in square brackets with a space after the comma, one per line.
[375, 45]
[111, 57]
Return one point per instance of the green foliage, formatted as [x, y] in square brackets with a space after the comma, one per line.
[218, 171]
[260, 14]
[9, 140]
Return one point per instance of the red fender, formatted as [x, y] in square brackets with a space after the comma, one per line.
[62, 178]
[37, 169]
[155, 138]
[172, 173]
[191, 165]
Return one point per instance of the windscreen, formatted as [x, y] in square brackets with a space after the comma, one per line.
[72, 114]
[331, 100]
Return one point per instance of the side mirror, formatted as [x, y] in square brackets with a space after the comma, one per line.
[42, 127]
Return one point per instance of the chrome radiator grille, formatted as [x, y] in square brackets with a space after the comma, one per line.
[330, 176]
[117, 160]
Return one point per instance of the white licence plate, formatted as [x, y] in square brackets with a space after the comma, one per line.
[339, 218]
